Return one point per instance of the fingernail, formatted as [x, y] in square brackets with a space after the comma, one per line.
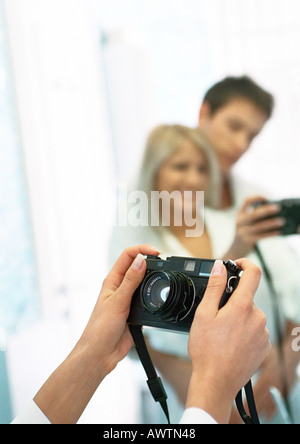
[138, 262]
[218, 268]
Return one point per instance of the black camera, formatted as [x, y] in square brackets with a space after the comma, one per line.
[289, 210]
[172, 290]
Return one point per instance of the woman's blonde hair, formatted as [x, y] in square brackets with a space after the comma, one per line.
[162, 143]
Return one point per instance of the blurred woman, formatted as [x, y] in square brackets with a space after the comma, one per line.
[176, 159]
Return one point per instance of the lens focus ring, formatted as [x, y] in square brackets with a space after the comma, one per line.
[168, 295]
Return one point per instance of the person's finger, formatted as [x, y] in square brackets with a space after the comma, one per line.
[263, 226]
[252, 211]
[251, 201]
[117, 273]
[214, 291]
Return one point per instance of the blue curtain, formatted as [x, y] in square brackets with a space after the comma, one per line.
[18, 278]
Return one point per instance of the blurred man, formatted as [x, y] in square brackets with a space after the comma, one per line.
[234, 111]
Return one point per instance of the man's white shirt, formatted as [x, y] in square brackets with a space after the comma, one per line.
[34, 415]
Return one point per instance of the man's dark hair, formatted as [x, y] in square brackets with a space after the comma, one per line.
[232, 88]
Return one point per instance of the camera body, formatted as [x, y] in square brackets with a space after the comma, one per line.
[290, 211]
[172, 290]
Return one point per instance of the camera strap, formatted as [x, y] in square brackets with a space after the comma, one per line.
[253, 418]
[157, 389]
[154, 382]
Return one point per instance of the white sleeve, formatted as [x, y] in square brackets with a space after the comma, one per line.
[194, 415]
[31, 415]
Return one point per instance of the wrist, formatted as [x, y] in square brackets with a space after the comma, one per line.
[68, 390]
[233, 253]
[238, 250]
[210, 396]
[96, 365]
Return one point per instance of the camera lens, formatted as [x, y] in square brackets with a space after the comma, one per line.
[159, 292]
[169, 295]
[156, 291]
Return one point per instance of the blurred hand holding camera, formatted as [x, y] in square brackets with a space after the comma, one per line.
[254, 223]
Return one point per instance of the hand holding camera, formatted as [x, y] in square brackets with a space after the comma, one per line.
[260, 219]
[288, 211]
